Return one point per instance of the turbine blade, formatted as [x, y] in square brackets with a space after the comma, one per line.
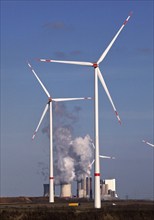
[67, 62]
[107, 92]
[45, 90]
[41, 119]
[93, 145]
[91, 163]
[70, 99]
[106, 157]
[113, 40]
[152, 145]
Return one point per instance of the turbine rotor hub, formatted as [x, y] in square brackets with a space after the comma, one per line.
[50, 99]
[95, 65]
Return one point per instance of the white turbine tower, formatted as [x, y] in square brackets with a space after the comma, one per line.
[97, 72]
[152, 145]
[49, 106]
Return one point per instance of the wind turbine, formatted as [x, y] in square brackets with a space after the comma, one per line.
[152, 145]
[97, 73]
[49, 106]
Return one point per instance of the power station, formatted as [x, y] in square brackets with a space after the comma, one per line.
[84, 189]
[108, 189]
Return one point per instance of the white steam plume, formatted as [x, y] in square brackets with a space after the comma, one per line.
[82, 151]
[72, 156]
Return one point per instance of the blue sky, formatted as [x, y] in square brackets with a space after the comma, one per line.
[77, 30]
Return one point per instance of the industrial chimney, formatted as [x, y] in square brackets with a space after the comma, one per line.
[84, 187]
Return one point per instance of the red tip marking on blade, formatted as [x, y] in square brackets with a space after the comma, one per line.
[118, 117]
[130, 14]
[48, 60]
[125, 22]
[97, 174]
[119, 121]
[117, 114]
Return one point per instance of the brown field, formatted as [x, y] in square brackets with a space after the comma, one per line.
[38, 208]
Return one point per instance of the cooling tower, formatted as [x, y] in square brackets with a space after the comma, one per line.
[66, 190]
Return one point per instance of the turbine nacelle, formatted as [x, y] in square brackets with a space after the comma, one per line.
[50, 100]
[95, 65]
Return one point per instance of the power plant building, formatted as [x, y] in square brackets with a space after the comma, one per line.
[111, 184]
[84, 187]
[108, 189]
